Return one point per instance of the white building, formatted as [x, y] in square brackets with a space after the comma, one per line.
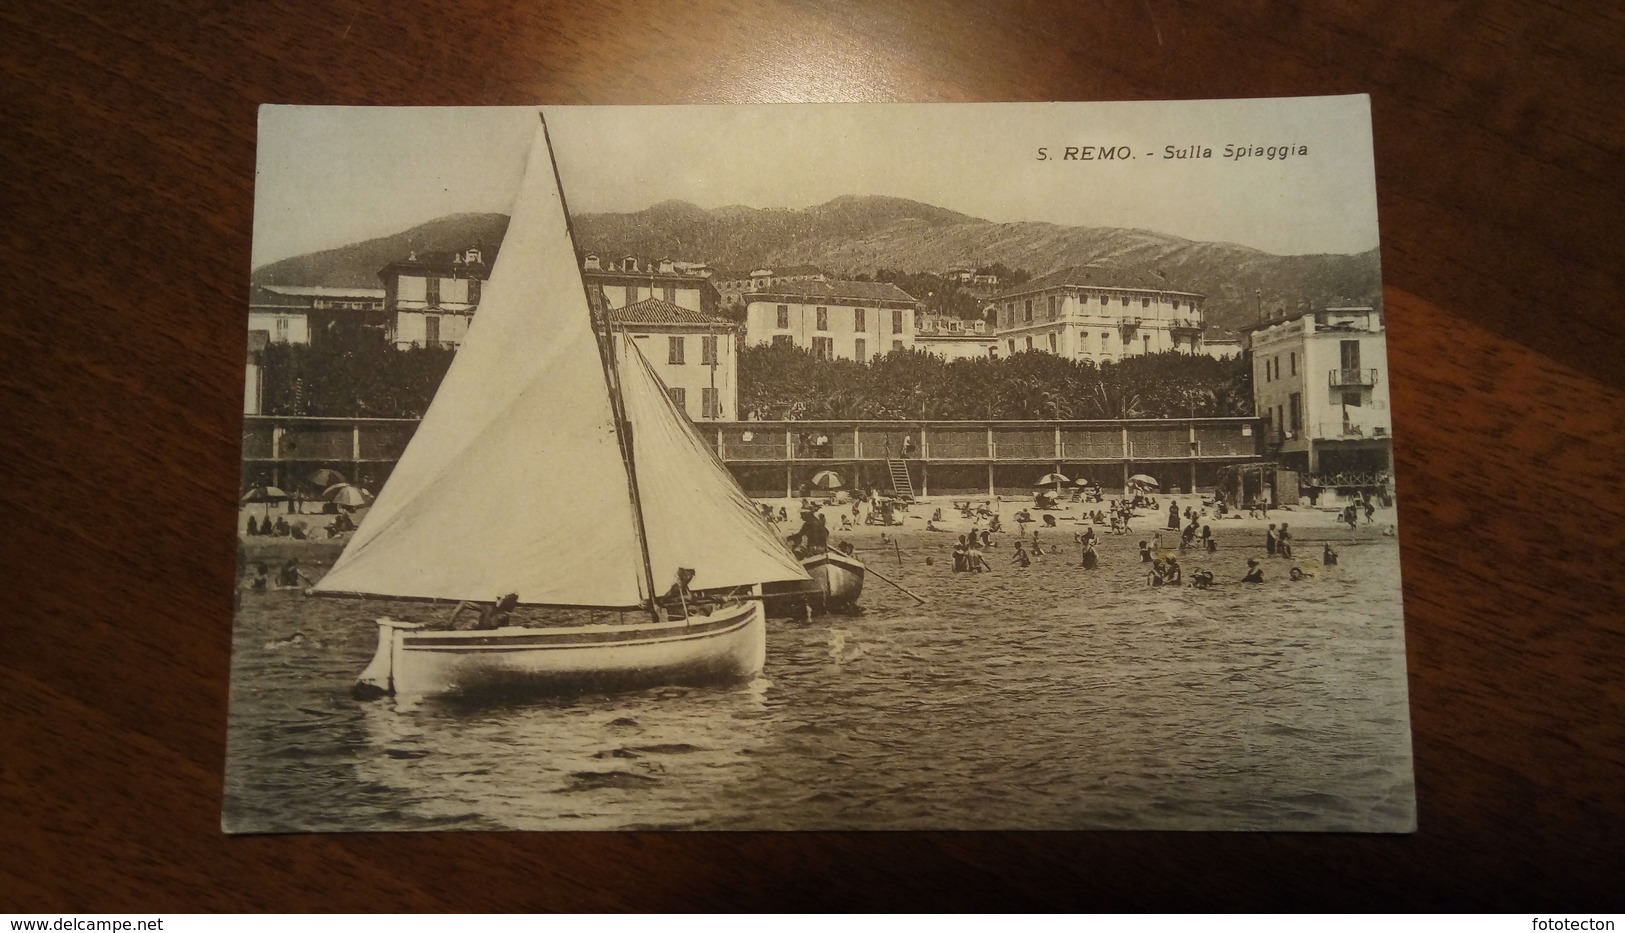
[694, 354]
[429, 300]
[1098, 315]
[836, 320]
[954, 339]
[1320, 379]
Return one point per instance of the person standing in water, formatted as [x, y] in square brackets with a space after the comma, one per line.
[1270, 541]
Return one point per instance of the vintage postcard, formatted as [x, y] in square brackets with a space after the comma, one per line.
[995, 466]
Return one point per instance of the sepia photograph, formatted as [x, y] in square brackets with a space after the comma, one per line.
[818, 467]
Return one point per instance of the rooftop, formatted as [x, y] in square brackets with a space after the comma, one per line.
[659, 311]
[857, 291]
[326, 291]
[1103, 277]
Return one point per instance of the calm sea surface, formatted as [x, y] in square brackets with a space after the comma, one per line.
[1045, 697]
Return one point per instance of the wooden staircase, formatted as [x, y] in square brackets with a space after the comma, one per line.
[901, 484]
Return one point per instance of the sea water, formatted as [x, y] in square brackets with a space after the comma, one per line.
[1046, 697]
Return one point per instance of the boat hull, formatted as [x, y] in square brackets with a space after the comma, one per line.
[729, 644]
[838, 575]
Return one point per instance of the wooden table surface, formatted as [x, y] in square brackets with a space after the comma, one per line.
[127, 171]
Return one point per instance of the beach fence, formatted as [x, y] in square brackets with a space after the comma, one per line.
[779, 458]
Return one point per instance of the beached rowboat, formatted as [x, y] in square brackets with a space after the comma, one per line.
[606, 494]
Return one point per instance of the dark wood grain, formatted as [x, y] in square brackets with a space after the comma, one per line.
[126, 167]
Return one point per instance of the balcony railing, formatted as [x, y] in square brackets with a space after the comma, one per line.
[1353, 377]
[1349, 430]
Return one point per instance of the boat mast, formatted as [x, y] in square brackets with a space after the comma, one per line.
[612, 381]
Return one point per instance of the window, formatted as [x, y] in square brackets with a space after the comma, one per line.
[1292, 364]
[1104, 299]
[1012, 346]
[1352, 399]
[1145, 302]
[1125, 301]
[1052, 307]
[454, 291]
[1176, 304]
[1294, 412]
[1027, 310]
[669, 292]
[784, 317]
[281, 330]
[631, 294]
[431, 330]
[897, 322]
[432, 292]
[824, 348]
[1052, 343]
[1350, 353]
[823, 319]
[1280, 419]
[680, 397]
[674, 351]
[1105, 342]
[708, 404]
[896, 345]
[1029, 343]
[858, 322]
[783, 340]
[708, 350]
[1147, 344]
[860, 350]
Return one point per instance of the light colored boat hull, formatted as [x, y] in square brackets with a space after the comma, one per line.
[839, 576]
[729, 644]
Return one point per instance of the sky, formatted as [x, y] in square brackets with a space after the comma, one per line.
[328, 176]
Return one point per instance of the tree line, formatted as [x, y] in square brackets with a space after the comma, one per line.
[780, 382]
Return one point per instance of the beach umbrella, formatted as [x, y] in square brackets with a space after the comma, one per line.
[346, 494]
[265, 494]
[1140, 479]
[827, 479]
[325, 478]
[1052, 479]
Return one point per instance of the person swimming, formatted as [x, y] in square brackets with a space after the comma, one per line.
[1328, 557]
[1021, 557]
[1255, 573]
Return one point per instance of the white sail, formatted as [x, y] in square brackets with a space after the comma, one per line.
[514, 481]
[694, 514]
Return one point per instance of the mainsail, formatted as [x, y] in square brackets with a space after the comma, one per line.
[514, 481]
[694, 514]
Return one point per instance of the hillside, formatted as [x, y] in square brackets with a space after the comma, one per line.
[357, 265]
[857, 235]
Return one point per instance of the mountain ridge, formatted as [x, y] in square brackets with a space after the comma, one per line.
[860, 234]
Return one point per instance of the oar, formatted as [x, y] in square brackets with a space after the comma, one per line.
[906, 591]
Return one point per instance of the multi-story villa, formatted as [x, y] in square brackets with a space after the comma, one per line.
[1094, 314]
[836, 320]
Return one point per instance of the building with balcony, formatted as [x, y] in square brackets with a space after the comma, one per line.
[836, 320]
[430, 298]
[1320, 384]
[1094, 314]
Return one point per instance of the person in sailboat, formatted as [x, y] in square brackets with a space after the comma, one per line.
[479, 617]
[680, 600]
[811, 538]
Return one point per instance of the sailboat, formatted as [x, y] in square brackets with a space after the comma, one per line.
[553, 465]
